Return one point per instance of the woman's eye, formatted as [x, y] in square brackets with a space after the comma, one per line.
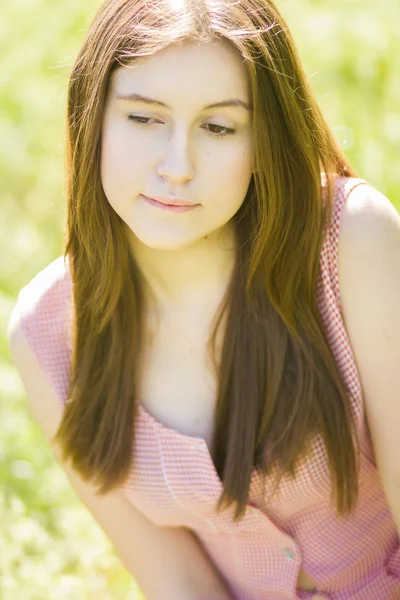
[226, 130]
[221, 131]
[135, 117]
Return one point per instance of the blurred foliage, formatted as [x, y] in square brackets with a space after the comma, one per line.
[50, 546]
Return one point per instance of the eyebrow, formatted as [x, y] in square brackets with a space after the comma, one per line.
[235, 102]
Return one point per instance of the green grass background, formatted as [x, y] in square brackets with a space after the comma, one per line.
[50, 546]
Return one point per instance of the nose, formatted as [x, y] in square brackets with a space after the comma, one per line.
[176, 165]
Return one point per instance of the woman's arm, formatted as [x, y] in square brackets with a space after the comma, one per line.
[369, 280]
[168, 563]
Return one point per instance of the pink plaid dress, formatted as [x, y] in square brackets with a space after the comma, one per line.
[175, 481]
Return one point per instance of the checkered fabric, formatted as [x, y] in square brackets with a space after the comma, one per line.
[174, 481]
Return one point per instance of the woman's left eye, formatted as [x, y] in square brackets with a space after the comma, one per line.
[223, 131]
[227, 130]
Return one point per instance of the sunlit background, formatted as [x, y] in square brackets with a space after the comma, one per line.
[50, 546]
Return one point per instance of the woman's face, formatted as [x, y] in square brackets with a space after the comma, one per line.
[181, 149]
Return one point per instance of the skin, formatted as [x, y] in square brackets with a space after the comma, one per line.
[186, 258]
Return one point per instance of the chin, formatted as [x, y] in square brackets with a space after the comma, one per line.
[157, 242]
[165, 246]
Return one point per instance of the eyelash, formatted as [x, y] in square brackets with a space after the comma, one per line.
[228, 130]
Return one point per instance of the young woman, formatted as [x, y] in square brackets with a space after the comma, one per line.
[215, 358]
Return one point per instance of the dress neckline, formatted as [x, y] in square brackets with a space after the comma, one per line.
[184, 436]
[197, 445]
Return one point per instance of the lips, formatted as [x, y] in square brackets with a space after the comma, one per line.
[171, 201]
[171, 208]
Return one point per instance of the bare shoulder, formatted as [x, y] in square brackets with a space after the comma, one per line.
[369, 267]
[369, 282]
[368, 253]
[364, 206]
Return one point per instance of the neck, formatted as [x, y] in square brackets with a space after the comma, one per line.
[186, 281]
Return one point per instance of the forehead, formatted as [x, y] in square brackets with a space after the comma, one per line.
[212, 71]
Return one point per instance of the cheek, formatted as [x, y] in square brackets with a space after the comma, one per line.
[229, 173]
[121, 164]
[243, 167]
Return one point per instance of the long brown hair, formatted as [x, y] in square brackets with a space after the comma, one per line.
[278, 383]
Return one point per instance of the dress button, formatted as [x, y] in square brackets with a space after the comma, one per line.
[288, 553]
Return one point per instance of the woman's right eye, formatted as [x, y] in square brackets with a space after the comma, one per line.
[140, 120]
